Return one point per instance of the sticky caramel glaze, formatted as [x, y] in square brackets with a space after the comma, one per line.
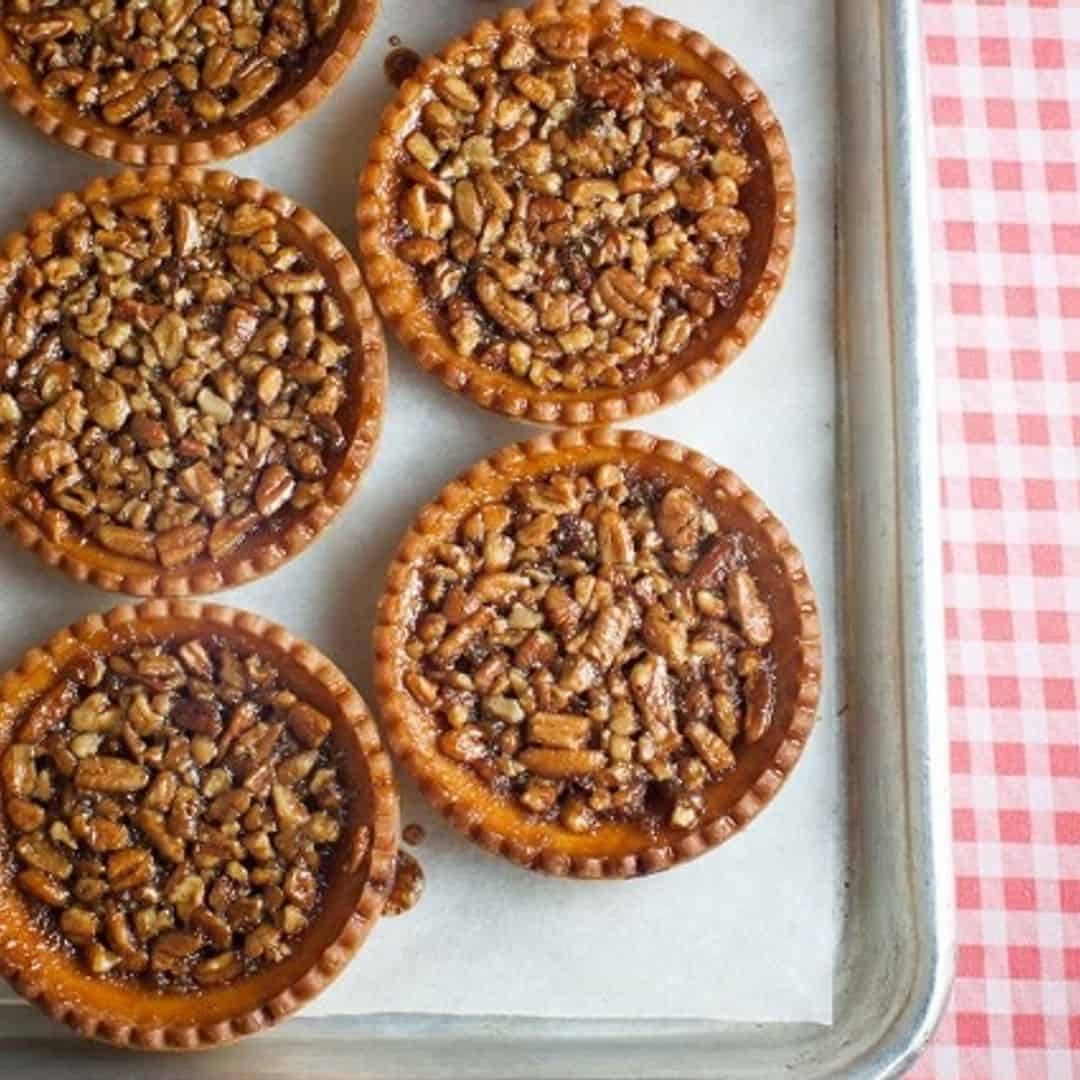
[400, 65]
[413, 834]
[612, 849]
[127, 1013]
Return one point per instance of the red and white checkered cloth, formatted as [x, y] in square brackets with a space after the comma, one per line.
[1004, 108]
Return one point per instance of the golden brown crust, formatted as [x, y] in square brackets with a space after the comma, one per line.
[68, 127]
[130, 1016]
[89, 562]
[613, 851]
[402, 304]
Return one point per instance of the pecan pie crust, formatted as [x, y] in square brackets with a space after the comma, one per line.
[177, 82]
[578, 213]
[193, 381]
[598, 653]
[199, 825]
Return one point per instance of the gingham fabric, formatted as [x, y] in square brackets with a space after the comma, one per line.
[1004, 112]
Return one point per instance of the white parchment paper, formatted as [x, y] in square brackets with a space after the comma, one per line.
[746, 933]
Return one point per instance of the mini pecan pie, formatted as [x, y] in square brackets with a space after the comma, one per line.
[578, 214]
[191, 381]
[198, 829]
[598, 653]
[175, 81]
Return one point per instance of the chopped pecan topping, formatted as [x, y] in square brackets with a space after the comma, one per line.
[610, 662]
[169, 852]
[573, 211]
[172, 67]
[176, 375]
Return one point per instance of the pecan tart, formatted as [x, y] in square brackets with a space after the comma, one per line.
[577, 214]
[198, 825]
[598, 653]
[176, 81]
[192, 380]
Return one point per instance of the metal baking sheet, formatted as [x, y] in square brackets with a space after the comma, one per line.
[893, 960]
[767, 905]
